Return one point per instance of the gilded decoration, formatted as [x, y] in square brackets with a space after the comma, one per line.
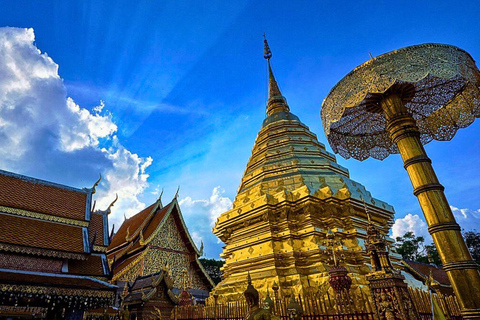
[446, 98]
[41, 252]
[56, 291]
[99, 248]
[292, 192]
[168, 247]
[165, 247]
[397, 102]
[131, 271]
[41, 216]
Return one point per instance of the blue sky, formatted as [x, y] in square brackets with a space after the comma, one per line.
[183, 85]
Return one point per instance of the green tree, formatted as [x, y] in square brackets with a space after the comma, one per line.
[411, 247]
[472, 239]
[212, 267]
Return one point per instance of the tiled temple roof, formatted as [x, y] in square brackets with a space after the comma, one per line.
[92, 266]
[125, 251]
[144, 286]
[41, 218]
[424, 269]
[132, 224]
[17, 191]
[96, 225]
[35, 233]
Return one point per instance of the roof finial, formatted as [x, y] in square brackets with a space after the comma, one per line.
[176, 194]
[160, 196]
[109, 209]
[96, 184]
[276, 102]
[267, 54]
[366, 211]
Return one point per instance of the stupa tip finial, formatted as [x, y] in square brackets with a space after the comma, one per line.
[249, 278]
[367, 212]
[267, 54]
[276, 102]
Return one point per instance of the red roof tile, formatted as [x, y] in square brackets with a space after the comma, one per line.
[39, 196]
[92, 266]
[120, 265]
[40, 234]
[424, 269]
[96, 225]
[132, 224]
[156, 220]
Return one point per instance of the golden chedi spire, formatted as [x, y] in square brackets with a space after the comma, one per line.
[292, 191]
[276, 102]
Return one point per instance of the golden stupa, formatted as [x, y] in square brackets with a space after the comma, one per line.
[293, 196]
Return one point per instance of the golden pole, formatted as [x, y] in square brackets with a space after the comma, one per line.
[457, 262]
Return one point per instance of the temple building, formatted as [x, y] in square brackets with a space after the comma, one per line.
[151, 256]
[292, 195]
[52, 250]
[421, 271]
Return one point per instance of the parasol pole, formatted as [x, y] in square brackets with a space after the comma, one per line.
[456, 259]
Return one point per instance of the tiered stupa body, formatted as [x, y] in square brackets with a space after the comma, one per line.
[293, 192]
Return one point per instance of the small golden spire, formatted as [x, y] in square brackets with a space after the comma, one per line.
[366, 211]
[267, 54]
[276, 102]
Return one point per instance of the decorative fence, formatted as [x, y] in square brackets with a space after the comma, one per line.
[319, 307]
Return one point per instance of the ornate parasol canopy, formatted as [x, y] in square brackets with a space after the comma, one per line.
[439, 85]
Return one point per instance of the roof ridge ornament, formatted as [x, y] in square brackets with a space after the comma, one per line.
[201, 248]
[176, 194]
[160, 198]
[96, 184]
[141, 240]
[109, 209]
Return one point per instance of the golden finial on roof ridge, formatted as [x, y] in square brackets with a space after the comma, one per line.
[127, 236]
[176, 194]
[160, 196]
[109, 209]
[96, 184]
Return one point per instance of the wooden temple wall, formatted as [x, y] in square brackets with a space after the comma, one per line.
[318, 307]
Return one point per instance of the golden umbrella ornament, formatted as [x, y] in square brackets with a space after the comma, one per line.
[396, 103]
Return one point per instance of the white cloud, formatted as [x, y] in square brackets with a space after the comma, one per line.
[410, 223]
[43, 132]
[213, 207]
[127, 178]
[468, 219]
[200, 216]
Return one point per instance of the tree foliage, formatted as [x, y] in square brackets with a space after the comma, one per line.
[472, 238]
[411, 247]
[212, 267]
